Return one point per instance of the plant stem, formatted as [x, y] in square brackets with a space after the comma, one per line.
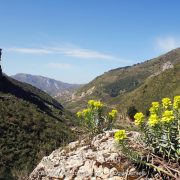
[158, 169]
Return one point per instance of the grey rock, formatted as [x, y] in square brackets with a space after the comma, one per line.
[82, 160]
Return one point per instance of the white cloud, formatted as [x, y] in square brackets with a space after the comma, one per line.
[66, 51]
[30, 50]
[167, 43]
[85, 53]
[60, 66]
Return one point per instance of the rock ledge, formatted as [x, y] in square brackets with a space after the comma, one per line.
[96, 159]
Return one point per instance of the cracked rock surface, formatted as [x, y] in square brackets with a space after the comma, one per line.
[95, 159]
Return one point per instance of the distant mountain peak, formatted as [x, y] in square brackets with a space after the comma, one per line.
[49, 85]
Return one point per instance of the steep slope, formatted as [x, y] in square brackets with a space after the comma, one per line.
[116, 84]
[50, 86]
[32, 124]
[166, 84]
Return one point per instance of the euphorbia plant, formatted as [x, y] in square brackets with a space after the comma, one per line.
[159, 134]
[93, 120]
[161, 129]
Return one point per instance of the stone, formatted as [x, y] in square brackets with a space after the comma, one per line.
[113, 172]
[93, 178]
[117, 178]
[106, 170]
[167, 65]
[132, 170]
[83, 160]
[99, 171]
[86, 170]
[100, 158]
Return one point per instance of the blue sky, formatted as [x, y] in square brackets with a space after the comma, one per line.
[76, 40]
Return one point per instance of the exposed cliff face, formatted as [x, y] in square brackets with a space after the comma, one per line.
[96, 159]
[0, 64]
[0, 72]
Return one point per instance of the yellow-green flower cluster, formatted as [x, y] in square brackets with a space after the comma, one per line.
[83, 113]
[139, 118]
[167, 116]
[153, 120]
[95, 104]
[86, 111]
[113, 114]
[166, 102]
[176, 104]
[98, 104]
[120, 135]
[91, 105]
[91, 102]
[154, 108]
[79, 114]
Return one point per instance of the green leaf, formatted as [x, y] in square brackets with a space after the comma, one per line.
[163, 145]
[172, 147]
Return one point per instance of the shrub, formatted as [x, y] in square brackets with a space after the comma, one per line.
[159, 135]
[93, 120]
[131, 112]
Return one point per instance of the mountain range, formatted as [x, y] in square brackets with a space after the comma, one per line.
[32, 123]
[137, 85]
[52, 87]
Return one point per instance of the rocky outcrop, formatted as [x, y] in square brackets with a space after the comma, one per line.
[96, 159]
[0, 72]
[0, 64]
[83, 94]
[167, 65]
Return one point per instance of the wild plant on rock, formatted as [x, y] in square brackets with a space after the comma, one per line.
[93, 120]
[160, 134]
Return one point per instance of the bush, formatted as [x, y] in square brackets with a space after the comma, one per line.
[131, 112]
[159, 135]
[93, 120]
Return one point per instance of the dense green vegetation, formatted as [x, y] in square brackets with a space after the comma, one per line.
[123, 85]
[32, 124]
[135, 85]
[167, 84]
